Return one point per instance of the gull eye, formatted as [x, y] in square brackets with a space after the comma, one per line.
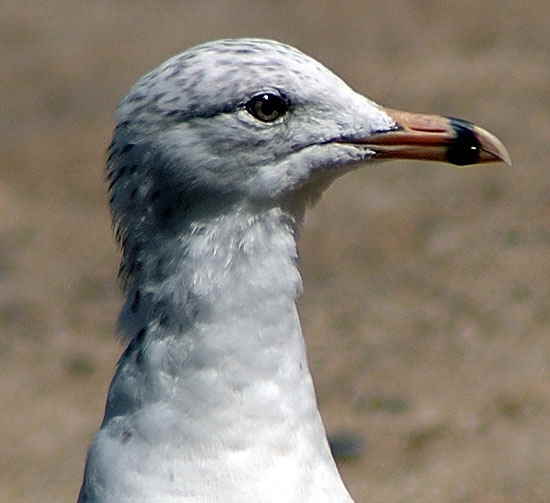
[267, 107]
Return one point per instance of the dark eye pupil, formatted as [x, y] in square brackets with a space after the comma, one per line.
[267, 107]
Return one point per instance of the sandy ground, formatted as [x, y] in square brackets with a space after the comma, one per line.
[427, 288]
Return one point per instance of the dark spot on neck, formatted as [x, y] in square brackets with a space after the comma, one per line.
[135, 304]
[135, 349]
[137, 346]
[166, 213]
[160, 272]
[127, 148]
[117, 177]
[125, 436]
[164, 320]
[160, 313]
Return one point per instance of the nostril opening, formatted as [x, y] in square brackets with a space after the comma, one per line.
[428, 129]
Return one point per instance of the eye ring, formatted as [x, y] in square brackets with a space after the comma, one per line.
[267, 107]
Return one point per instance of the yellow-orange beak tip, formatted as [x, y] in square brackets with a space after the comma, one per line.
[492, 148]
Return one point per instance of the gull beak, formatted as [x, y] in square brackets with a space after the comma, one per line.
[435, 138]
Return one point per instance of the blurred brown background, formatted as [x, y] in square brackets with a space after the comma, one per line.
[427, 288]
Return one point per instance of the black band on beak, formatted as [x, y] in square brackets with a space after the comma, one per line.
[466, 148]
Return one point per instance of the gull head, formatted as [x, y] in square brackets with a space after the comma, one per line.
[259, 121]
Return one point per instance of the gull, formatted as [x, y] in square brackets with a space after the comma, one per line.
[216, 155]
